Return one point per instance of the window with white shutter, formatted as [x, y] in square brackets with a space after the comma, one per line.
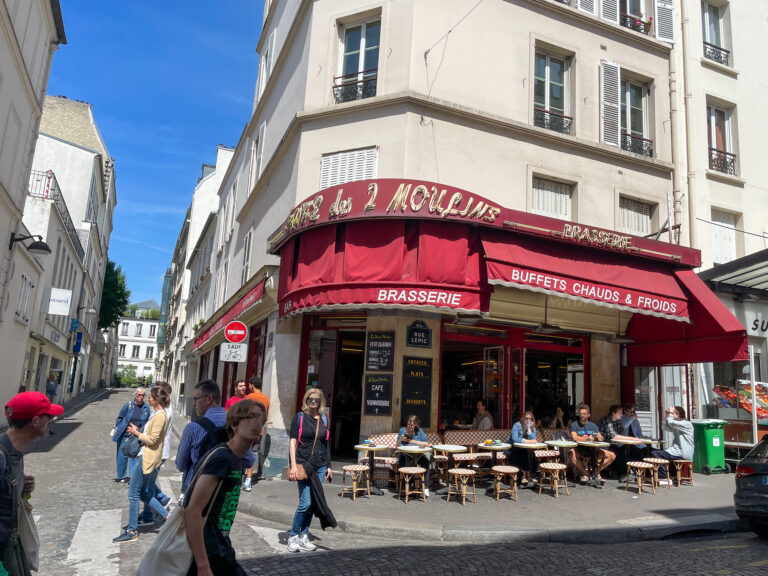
[551, 198]
[723, 237]
[610, 102]
[350, 166]
[260, 149]
[609, 10]
[665, 20]
[267, 62]
[586, 5]
[246, 257]
[635, 217]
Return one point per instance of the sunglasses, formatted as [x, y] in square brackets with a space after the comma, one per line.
[196, 398]
[313, 400]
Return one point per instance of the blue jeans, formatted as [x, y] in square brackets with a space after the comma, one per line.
[303, 517]
[142, 489]
[663, 474]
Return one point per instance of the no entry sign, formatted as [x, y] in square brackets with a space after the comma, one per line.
[235, 332]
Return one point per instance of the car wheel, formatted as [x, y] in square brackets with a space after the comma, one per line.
[728, 468]
[759, 528]
[706, 470]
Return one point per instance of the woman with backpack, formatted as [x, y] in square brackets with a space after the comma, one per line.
[310, 462]
[144, 473]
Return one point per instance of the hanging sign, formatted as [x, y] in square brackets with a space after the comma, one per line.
[378, 394]
[59, 302]
[419, 335]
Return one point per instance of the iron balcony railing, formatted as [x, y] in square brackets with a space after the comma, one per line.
[566, 2]
[634, 23]
[716, 54]
[44, 185]
[552, 120]
[722, 161]
[636, 144]
[355, 86]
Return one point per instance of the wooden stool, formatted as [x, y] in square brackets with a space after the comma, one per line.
[357, 473]
[641, 469]
[461, 476]
[680, 467]
[406, 474]
[656, 462]
[550, 474]
[508, 474]
[441, 466]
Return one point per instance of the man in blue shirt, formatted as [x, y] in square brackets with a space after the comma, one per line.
[135, 412]
[584, 430]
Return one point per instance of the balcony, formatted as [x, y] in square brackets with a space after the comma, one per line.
[635, 23]
[552, 121]
[716, 54]
[355, 86]
[722, 161]
[636, 144]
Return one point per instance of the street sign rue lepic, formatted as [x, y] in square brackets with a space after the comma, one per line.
[235, 349]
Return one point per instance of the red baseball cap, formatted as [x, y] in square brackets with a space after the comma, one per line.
[27, 405]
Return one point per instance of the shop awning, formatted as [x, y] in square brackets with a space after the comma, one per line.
[615, 280]
[714, 336]
[250, 299]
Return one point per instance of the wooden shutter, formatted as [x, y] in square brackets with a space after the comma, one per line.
[609, 10]
[665, 20]
[610, 103]
[586, 6]
[246, 258]
[634, 217]
[260, 148]
[551, 199]
[349, 166]
[271, 53]
[723, 237]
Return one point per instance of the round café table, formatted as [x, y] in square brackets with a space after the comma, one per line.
[412, 453]
[563, 446]
[593, 447]
[370, 451]
[494, 449]
[450, 450]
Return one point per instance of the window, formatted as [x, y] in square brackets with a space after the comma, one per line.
[121, 353]
[632, 15]
[341, 167]
[721, 157]
[138, 329]
[124, 329]
[267, 63]
[246, 258]
[150, 352]
[359, 66]
[135, 352]
[260, 150]
[550, 93]
[712, 32]
[634, 121]
[152, 329]
[635, 217]
[723, 237]
[551, 198]
[26, 290]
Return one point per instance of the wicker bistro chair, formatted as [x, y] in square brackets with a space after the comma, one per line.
[385, 466]
[643, 471]
[508, 474]
[358, 473]
[408, 474]
[461, 478]
[683, 471]
[656, 462]
[551, 475]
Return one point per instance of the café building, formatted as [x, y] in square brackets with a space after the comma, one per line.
[414, 297]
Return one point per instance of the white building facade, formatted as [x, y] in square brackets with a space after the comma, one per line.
[137, 346]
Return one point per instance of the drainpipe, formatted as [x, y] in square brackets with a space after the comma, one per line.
[688, 130]
[674, 203]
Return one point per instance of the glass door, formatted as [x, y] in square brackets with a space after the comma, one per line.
[645, 401]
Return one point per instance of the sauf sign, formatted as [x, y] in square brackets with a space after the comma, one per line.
[235, 350]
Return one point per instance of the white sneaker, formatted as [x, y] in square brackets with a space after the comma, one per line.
[293, 544]
[665, 482]
[247, 485]
[426, 492]
[305, 544]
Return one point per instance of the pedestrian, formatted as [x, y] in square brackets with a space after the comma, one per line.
[682, 441]
[261, 450]
[145, 471]
[50, 387]
[29, 415]
[309, 450]
[159, 496]
[209, 538]
[241, 389]
[134, 412]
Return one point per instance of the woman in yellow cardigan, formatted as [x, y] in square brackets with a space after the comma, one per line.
[148, 463]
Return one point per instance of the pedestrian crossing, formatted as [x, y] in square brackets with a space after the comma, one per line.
[92, 552]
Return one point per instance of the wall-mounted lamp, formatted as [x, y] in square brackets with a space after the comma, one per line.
[87, 310]
[38, 247]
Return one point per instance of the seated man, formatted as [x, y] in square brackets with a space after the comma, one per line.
[610, 428]
[583, 430]
[682, 441]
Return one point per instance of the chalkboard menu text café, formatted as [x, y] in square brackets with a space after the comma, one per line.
[417, 297]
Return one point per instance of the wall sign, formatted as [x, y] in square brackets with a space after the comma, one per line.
[378, 394]
[417, 389]
[381, 351]
[419, 335]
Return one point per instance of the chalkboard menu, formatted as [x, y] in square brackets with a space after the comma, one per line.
[381, 351]
[417, 389]
[378, 394]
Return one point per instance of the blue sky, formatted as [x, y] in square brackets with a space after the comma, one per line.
[169, 81]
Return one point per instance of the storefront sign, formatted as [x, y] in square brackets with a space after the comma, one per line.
[60, 302]
[381, 351]
[755, 318]
[419, 335]
[233, 352]
[417, 389]
[378, 394]
[252, 298]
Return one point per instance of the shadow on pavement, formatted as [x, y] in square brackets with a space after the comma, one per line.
[60, 431]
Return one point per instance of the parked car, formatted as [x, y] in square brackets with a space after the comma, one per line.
[751, 497]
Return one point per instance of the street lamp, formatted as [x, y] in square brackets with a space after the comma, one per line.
[38, 247]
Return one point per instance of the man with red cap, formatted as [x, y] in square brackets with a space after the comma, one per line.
[29, 416]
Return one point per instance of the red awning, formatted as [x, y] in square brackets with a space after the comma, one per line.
[613, 280]
[715, 335]
[251, 298]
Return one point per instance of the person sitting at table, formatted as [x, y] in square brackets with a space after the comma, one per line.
[584, 430]
[523, 432]
[610, 428]
[682, 441]
[483, 420]
[412, 435]
[630, 426]
[560, 421]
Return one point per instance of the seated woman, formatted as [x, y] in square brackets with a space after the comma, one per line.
[523, 432]
[412, 435]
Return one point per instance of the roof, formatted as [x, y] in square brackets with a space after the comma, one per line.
[61, 37]
[746, 276]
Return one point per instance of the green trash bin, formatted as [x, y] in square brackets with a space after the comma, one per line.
[709, 446]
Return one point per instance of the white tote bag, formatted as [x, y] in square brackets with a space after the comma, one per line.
[170, 554]
[28, 535]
